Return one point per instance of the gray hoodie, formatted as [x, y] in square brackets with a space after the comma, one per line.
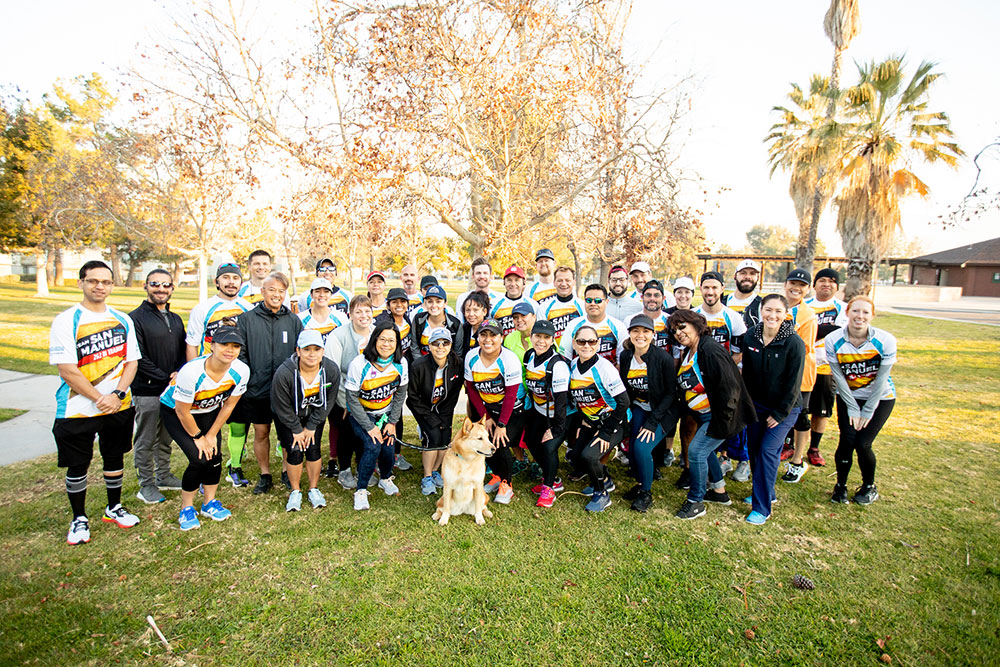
[289, 403]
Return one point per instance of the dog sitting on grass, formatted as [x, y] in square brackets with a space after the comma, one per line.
[464, 471]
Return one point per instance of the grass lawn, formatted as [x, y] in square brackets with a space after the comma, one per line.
[914, 579]
[8, 413]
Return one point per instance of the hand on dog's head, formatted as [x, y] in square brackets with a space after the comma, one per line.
[473, 439]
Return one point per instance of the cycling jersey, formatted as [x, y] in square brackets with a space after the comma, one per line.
[830, 315]
[491, 381]
[340, 300]
[207, 316]
[661, 330]
[726, 326]
[541, 293]
[861, 364]
[538, 386]
[333, 320]
[594, 391]
[637, 380]
[193, 385]
[561, 313]
[503, 308]
[375, 387]
[689, 380]
[611, 334]
[747, 307]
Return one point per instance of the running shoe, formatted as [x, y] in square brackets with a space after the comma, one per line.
[332, 469]
[643, 502]
[188, 518]
[726, 466]
[388, 487]
[504, 494]
[215, 511]
[632, 493]
[79, 531]
[657, 474]
[840, 495]
[294, 503]
[437, 479]
[815, 458]
[557, 485]
[668, 458]
[742, 472]
[690, 510]
[599, 502]
[518, 467]
[150, 495]
[609, 486]
[284, 480]
[347, 479]
[866, 494]
[713, 496]
[537, 489]
[427, 486]
[756, 518]
[402, 463]
[361, 500]
[793, 473]
[119, 516]
[169, 483]
[684, 481]
[236, 478]
[316, 498]
[264, 484]
[787, 451]
[492, 485]
[546, 497]
[622, 458]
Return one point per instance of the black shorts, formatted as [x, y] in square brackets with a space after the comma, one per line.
[823, 398]
[802, 422]
[252, 411]
[75, 437]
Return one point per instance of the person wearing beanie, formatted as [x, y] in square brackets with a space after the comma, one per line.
[831, 314]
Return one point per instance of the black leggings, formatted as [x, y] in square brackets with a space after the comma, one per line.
[861, 441]
[348, 444]
[546, 452]
[502, 462]
[310, 453]
[199, 470]
[587, 454]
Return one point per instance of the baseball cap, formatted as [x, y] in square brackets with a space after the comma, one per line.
[654, 283]
[616, 267]
[320, 282]
[490, 325]
[228, 267]
[226, 334]
[310, 337]
[747, 264]
[372, 274]
[522, 308]
[828, 273]
[436, 290]
[514, 270]
[397, 293]
[685, 282]
[544, 252]
[800, 275]
[427, 281]
[326, 260]
[712, 275]
[544, 327]
[438, 333]
[640, 320]
[640, 266]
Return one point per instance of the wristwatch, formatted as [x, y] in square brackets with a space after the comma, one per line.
[119, 393]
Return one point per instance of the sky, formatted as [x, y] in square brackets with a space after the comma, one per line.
[741, 58]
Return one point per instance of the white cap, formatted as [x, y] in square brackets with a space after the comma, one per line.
[640, 266]
[310, 337]
[320, 282]
[684, 281]
[748, 264]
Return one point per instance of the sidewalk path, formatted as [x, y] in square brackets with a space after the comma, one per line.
[29, 435]
[970, 309]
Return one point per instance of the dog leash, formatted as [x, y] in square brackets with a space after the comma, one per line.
[420, 447]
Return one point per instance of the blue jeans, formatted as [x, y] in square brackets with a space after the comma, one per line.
[642, 452]
[704, 464]
[384, 453]
[764, 445]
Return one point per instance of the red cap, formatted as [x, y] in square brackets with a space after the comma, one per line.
[372, 274]
[514, 270]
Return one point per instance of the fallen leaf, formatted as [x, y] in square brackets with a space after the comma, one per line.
[886, 658]
[123, 577]
[749, 634]
[880, 642]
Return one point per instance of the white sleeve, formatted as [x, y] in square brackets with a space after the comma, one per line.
[196, 325]
[560, 377]
[739, 326]
[62, 345]
[244, 372]
[353, 381]
[612, 380]
[468, 365]
[132, 352]
[184, 383]
[888, 347]
[512, 369]
[404, 374]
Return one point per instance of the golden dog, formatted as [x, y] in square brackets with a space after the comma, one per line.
[463, 471]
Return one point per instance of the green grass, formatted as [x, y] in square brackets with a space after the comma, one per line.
[8, 413]
[919, 571]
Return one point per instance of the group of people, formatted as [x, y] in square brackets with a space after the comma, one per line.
[624, 370]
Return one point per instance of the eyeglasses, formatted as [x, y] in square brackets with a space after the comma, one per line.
[94, 282]
[618, 280]
[387, 341]
[592, 299]
[156, 283]
[679, 328]
[583, 342]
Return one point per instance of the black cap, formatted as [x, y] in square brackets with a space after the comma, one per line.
[640, 320]
[490, 325]
[326, 260]
[397, 293]
[712, 275]
[227, 335]
[544, 252]
[654, 283]
[522, 308]
[800, 275]
[827, 273]
[228, 267]
[427, 281]
[544, 327]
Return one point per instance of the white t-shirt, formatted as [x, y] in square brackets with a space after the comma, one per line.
[491, 381]
[193, 385]
[534, 381]
[611, 334]
[594, 391]
[99, 344]
[333, 320]
[207, 316]
[375, 387]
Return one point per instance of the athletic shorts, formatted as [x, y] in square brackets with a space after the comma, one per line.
[75, 437]
[823, 397]
[252, 411]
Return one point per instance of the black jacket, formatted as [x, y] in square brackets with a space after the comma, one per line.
[288, 402]
[161, 342]
[662, 377]
[418, 325]
[421, 387]
[772, 373]
[270, 339]
[731, 405]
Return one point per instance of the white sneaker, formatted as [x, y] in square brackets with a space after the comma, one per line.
[294, 503]
[361, 500]
[79, 531]
[742, 472]
[726, 466]
[388, 486]
[316, 498]
[119, 516]
[347, 479]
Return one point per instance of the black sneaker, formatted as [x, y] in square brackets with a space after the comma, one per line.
[684, 481]
[284, 480]
[840, 494]
[633, 493]
[264, 484]
[690, 510]
[332, 470]
[713, 496]
[642, 502]
[866, 495]
[657, 474]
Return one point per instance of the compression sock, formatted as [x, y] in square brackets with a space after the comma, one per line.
[237, 445]
[814, 439]
[113, 484]
[76, 490]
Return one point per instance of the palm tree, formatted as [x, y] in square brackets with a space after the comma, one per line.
[889, 127]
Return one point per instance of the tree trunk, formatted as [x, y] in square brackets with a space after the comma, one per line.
[859, 277]
[41, 282]
[116, 264]
[576, 264]
[57, 267]
[50, 267]
[132, 266]
[202, 275]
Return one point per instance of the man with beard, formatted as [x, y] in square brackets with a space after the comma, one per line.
[745, 300]
[543, 289]
[207, 316]
[503, 308]
[482, 274]
[652, 307]
[620, 305]
[566, 306]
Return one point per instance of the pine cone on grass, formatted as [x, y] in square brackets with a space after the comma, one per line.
[805, 583]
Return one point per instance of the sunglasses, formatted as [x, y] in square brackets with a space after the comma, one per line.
[326, 269]
[155, 283]
[594, 299]
[582, 342]
[441, 343]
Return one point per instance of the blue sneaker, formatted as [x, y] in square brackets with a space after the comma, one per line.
[756, 518]
[427, 486]
[215, 510]
[609, 487]
[436, 478]
[599, 502]
[188, 519]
